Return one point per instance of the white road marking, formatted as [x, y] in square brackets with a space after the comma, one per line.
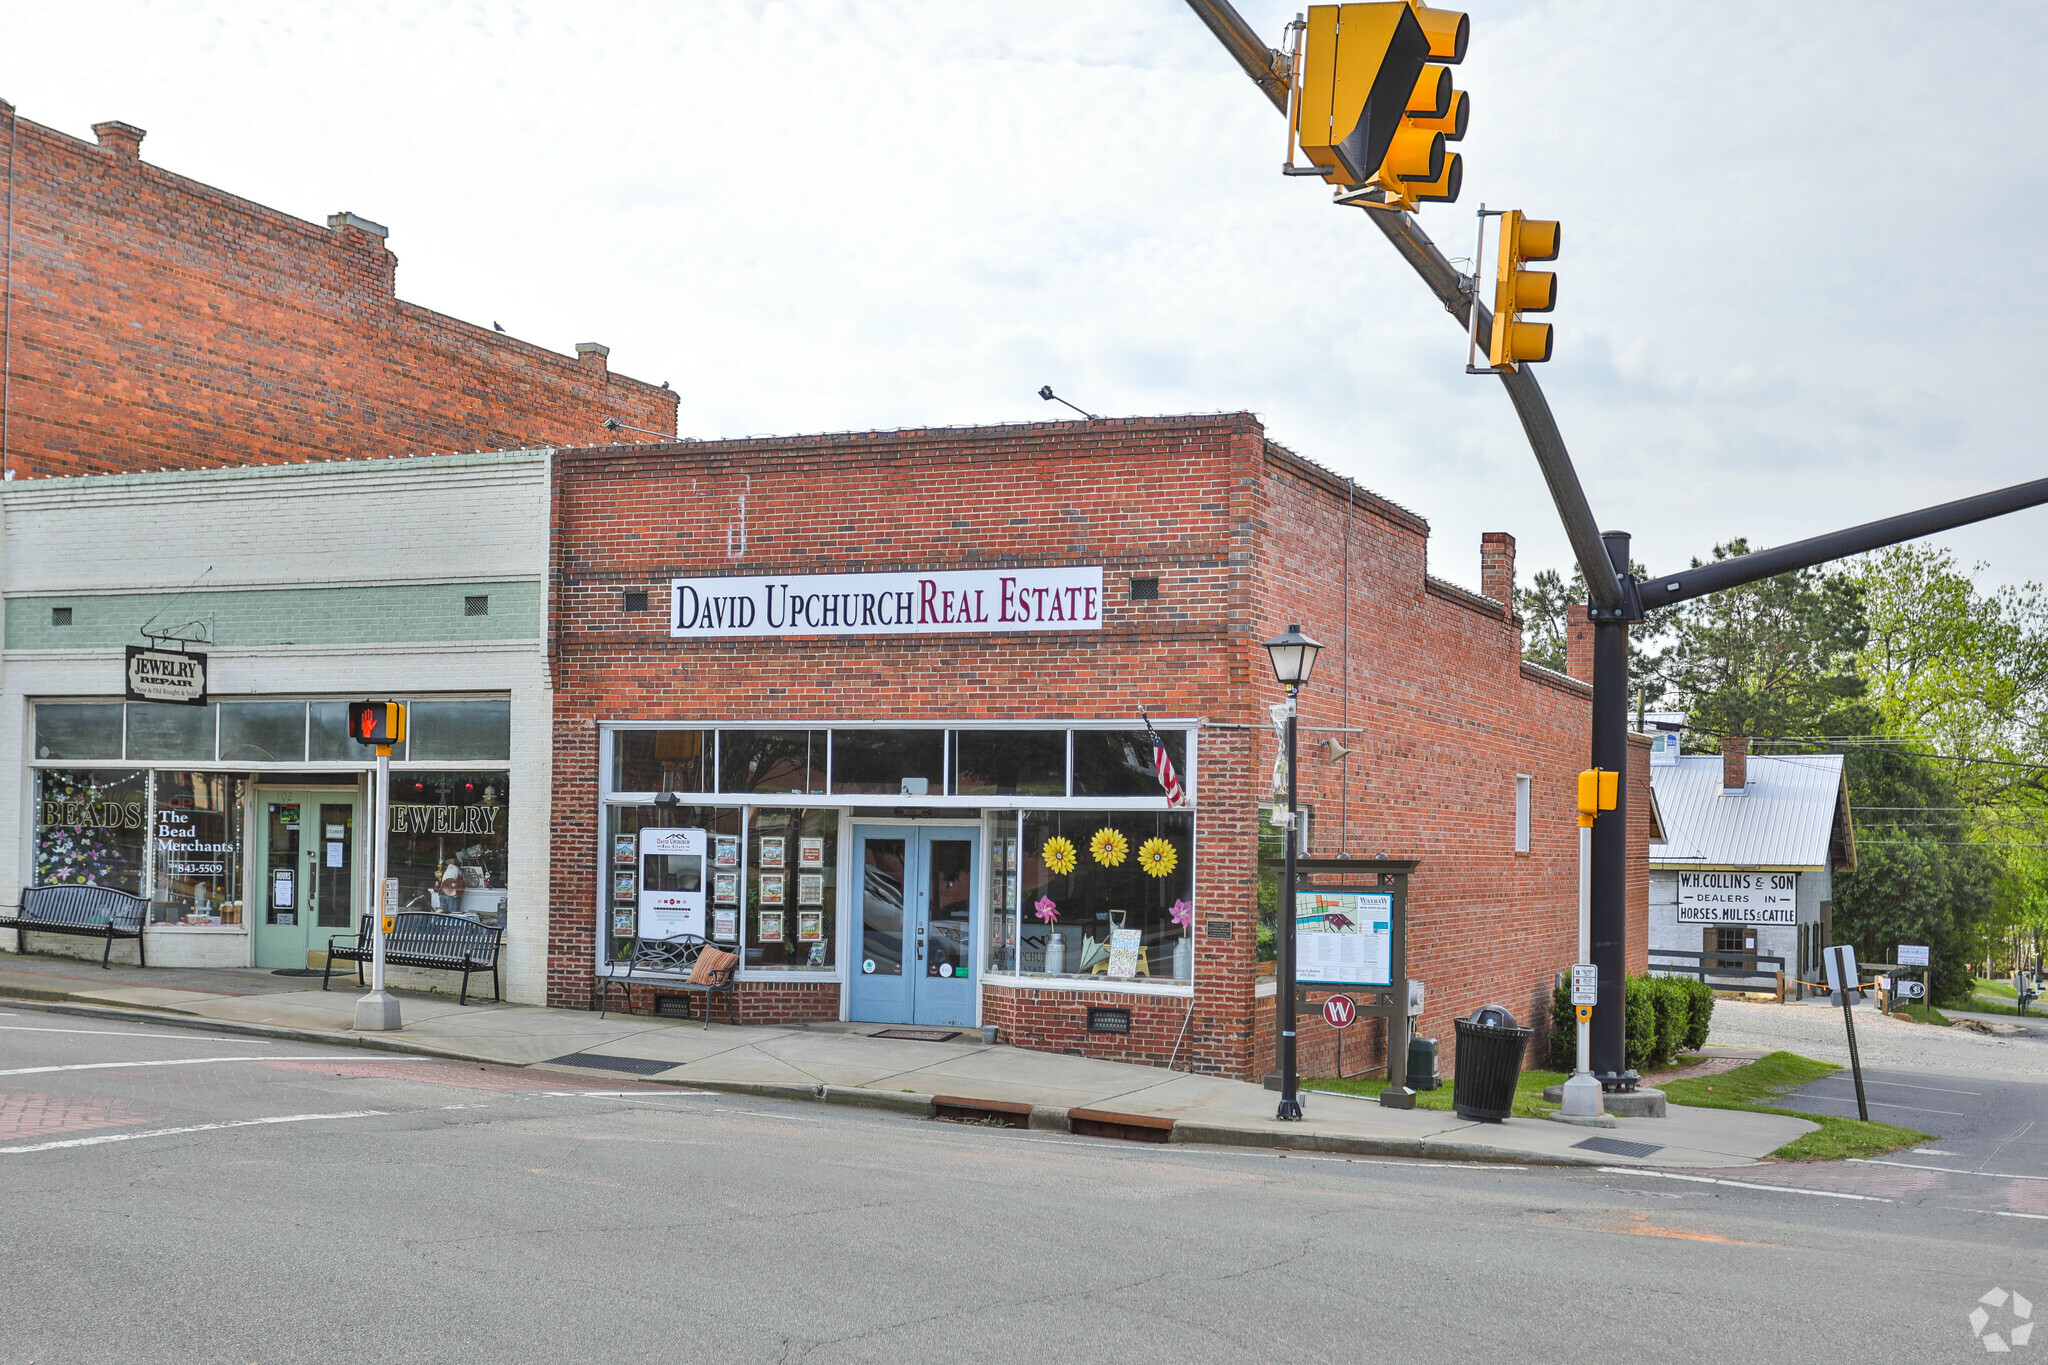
[1880, 1104]
[117, 1033]
[1973, 1094]
[1931, 1151]
[192, 1128]
[1745, 1184]
[1950, 1170]
[2002, 1213]
[178, 1061]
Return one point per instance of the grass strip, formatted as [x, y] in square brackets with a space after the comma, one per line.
[1754, 1088]
[1529, 1102]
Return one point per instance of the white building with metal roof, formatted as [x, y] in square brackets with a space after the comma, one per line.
[1745, 866]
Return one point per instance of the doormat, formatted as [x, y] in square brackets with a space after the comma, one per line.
[639, 1066]
[1619, 1146]
[296, 971]
[918, 1035]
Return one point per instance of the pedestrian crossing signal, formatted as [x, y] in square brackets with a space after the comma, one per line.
[381, 723]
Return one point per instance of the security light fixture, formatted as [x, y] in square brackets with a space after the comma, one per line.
[1293, 656]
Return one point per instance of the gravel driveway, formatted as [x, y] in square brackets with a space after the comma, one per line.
[1883, 1042]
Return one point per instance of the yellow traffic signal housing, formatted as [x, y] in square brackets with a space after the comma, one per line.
[380, 723]
[1418, 168]
[1359, 66]
[1518, 290]
[1598, 791]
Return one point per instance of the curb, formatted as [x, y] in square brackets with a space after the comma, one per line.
[1044, 1118]
[1221, 1135]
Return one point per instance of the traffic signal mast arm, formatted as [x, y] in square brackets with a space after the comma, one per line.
[1454, 291]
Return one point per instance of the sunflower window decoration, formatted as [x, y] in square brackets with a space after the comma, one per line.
[1059, 855]
[1157, 858]
[1109, 847]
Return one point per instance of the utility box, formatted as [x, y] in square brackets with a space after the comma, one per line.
[1422, 1072]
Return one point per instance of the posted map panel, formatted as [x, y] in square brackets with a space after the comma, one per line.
[1344, 938]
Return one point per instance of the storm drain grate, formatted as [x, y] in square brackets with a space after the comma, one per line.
[296, 971]
[918, 1035]
[639, 1066]
[1619, 1146]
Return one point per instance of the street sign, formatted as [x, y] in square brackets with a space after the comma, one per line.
[1585, 983]
[163, 675]
[1912, 990]
[1339, 1011]
[1840, 961]
[1912, 955]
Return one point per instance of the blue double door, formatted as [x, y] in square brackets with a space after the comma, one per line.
[913, 924]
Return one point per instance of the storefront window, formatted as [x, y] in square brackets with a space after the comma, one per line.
[792, 888]
[447, 850]
[767, 761]
[1009, 763]
[647, 877]
[90, 828]
[1002, 893]
[438, 730]
[263, 732]
[84, 731]
[1119, 762]
[160, 730]
[197, 847]
[662, 760]
[1107, 894]
[889, 762]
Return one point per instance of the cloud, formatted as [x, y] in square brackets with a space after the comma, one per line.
[1795, 291]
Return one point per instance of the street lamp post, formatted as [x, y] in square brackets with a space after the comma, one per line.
[1294, 658]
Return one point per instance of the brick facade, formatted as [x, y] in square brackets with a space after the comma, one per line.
[1421, 681]
[161, 323]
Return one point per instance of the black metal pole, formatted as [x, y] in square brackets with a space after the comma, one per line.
[1610, 839]
[1290, 1100]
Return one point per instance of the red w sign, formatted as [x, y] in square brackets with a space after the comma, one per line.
[1339, 1010]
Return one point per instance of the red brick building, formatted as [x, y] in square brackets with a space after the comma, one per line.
[867, 708]
[154, 322]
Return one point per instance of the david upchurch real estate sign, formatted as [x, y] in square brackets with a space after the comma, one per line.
[953, 602]
[1738, 898]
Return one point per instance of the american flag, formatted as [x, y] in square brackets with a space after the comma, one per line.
[1162, 764]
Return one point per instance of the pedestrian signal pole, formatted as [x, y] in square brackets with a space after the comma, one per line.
[1598, 791]
[379, 724]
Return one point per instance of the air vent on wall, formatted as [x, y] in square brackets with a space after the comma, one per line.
[1144, 590]
[636, 601]
[476, 606]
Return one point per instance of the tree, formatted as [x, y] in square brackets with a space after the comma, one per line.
[1776, 657]
[1920, 875]
[1546, 608]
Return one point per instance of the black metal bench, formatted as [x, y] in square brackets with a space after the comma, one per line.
[668, 964]
[448, 943]
[94, 911]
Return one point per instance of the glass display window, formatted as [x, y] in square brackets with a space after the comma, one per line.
[889, 762]
[632, 860]
[91, 828]
[1106, 895]
[765, 761]
[448, 843]
[437, 731]
[792, 889]
[1119, 762]
[163, 731]
[263, 732]
[196, 849]
[1009, 763]
[81, 731]
[663, 760]
[1003, 867]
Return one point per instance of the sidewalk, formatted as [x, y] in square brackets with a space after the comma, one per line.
[844, 1064]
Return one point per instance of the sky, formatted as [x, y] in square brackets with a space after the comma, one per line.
[1798, 286]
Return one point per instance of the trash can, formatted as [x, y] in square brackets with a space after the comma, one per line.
[1422, 1072]
[1490, 1049]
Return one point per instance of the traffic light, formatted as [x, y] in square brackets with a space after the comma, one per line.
[1598, 791]
[381, 723]
[1359, 67]
[1518, 291]
[1418, 168]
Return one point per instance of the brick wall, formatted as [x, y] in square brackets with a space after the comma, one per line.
[162, 323]
[1430, 696]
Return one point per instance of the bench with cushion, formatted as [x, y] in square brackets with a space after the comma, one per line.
[682, 962]
[94, 911]
[449, 943]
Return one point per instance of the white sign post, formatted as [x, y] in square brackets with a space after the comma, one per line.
[1584, 1098]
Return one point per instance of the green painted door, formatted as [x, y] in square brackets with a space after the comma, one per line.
[305, 859]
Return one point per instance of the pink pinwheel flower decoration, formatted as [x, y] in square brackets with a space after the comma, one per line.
[1045, 909]
[1183, 914]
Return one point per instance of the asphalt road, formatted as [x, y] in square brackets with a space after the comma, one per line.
[172, 1195]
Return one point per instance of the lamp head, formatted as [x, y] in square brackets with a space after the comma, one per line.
[1293, 655]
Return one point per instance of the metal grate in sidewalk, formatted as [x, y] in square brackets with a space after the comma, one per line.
[1619, 1146]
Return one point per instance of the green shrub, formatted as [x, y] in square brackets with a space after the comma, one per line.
[1674, 1015]
[1701, 996]
[1564, 1031]
[1640, 1022]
